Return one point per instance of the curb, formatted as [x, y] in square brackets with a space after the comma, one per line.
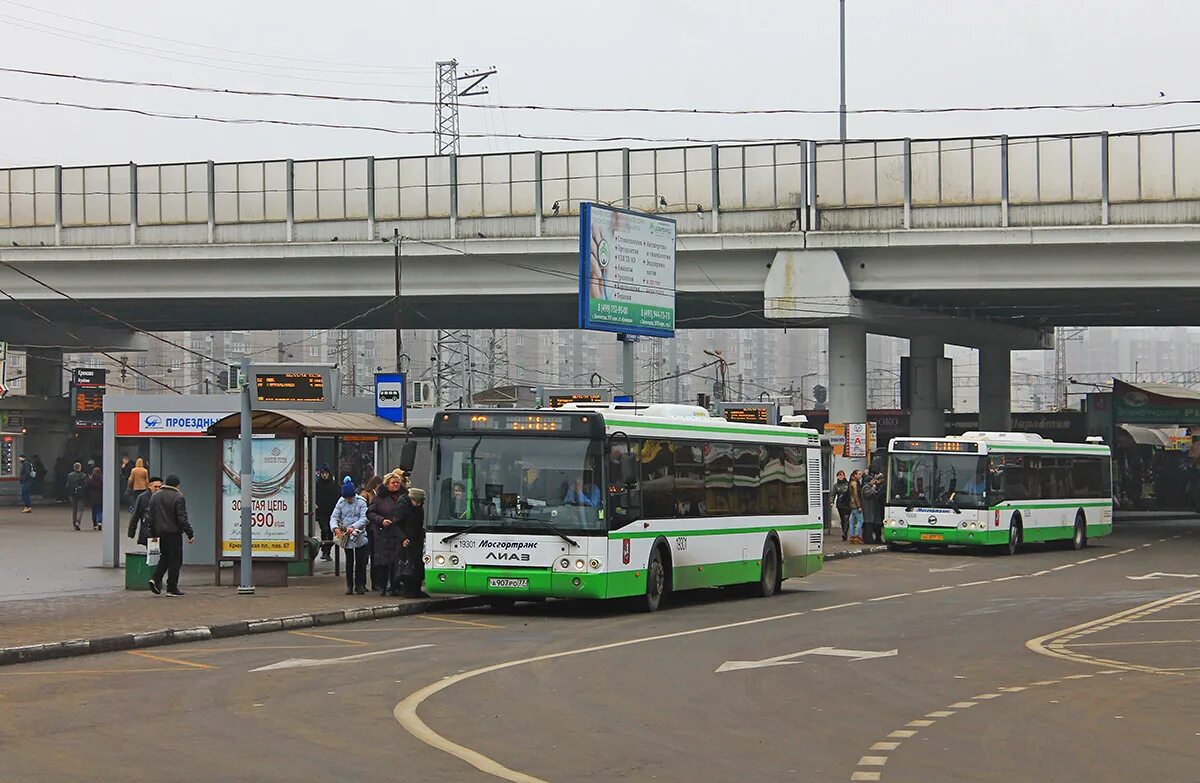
[847, 553]
[137, 641]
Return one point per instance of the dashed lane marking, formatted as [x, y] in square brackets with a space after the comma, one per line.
[962, 705]
[865, 776]
[940, 714]
[890, 597]
[837, 606]
[903, 733]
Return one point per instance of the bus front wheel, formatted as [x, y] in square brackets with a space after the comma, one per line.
[656, 582]
[1014, 534]
[1079, 539]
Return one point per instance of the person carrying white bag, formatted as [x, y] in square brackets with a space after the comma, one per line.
[140, 523]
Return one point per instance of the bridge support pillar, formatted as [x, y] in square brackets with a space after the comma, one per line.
[44, 372]
[848, 381]
[995, 389]
[927, 412]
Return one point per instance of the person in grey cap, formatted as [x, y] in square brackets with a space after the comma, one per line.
[410, 515]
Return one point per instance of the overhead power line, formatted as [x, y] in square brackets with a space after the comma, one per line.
[786, 111]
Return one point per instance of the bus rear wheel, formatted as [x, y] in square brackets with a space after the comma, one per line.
[502, 604]
[770, 579]
[656, 582]
[1079, 539]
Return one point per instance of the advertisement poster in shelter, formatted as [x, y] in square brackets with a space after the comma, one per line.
[275, 499]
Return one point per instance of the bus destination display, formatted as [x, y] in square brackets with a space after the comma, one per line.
[559, 400]
[748, 414]
[958, 446]
[290, 387]
[514, 422]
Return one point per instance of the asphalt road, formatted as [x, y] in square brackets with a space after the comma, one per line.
[1052, 666]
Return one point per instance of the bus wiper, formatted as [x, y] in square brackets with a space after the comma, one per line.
[464, 531]
[554, 530]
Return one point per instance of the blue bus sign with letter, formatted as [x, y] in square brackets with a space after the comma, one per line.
[389, 396]
[626, 271]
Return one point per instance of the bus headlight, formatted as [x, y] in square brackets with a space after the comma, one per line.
[579, 564]
[440, 560]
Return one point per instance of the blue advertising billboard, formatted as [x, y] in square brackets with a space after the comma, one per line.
[626, 271]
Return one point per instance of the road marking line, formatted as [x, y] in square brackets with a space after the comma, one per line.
[962, 705]
[903, 733]
[1014, 689]
[1147, 641]
[1061, 567]
[837, 606]
[1105, 557]
[937, 589]
[940, 714]
[872, 761]
[462, 622]
[1131, 549]
[312, 635]
[1145, 545]
[919, 723]
[165, 659]
[1093, 559]
[972, 584]
[890, 597]
[1007, 578]
[865, 776]
[983, 696]
[1077, 676]
[1043, 682]
[885, 746]
[98, 671]
[1040, 573]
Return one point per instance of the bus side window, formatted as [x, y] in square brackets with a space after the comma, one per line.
[624, 493]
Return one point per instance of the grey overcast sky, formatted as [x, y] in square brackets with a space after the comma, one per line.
[701, 53]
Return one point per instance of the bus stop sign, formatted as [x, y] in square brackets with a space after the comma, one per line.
[389, 396]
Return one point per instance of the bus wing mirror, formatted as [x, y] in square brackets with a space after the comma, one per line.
[408, 456]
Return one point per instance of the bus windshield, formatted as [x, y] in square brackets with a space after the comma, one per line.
[510, 484]
[937, 480]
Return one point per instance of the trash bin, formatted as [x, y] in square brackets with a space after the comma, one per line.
[137, 573]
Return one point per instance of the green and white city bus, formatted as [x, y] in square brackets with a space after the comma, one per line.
[996, 489]
[617, 501]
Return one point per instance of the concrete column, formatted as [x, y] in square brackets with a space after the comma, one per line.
[847, 384]
[44, 372]
[995, 389]
[926, 417]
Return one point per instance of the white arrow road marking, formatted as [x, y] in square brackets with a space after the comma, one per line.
[1160, 575]
[300, 663]
[785, 660]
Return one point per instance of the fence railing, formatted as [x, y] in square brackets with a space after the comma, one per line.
[786, 186]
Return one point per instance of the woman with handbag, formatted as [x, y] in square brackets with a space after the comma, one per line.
[410, 517]
[349, 524]
[387, 536]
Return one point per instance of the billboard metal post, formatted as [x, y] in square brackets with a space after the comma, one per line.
[246, 585]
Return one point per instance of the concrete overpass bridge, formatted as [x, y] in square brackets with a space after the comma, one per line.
[986, 241]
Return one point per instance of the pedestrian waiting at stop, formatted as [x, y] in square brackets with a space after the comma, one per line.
[872, 500]
[368, 494]
[410, 516]
[349, 524]
[76, 482]
[138, 481]
[140, 523]
[841, 502]
[326, 494]
[94, 490]
[856, 507]
[26, 478]
[169, 517]
[386, 535]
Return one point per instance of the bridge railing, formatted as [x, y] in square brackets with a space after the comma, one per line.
[1090, 179]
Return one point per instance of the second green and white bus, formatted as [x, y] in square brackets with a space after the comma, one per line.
[618, 501]
[999, 489]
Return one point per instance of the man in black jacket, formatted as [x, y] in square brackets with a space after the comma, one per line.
[168, 514]
[410, 515]
[139, 517]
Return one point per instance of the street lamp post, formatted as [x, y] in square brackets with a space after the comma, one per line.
[842, 53]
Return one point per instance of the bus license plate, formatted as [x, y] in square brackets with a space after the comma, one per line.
[932, 537]
[508, 583]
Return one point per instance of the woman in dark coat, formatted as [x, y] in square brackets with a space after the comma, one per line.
[94, 489]
[410, 515]
[387, 536]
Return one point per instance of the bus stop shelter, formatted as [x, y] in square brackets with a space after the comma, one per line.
[288, 447]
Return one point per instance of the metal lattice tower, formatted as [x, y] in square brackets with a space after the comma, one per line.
[445, 109]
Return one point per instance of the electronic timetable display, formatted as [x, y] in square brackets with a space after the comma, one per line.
[290, 387]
